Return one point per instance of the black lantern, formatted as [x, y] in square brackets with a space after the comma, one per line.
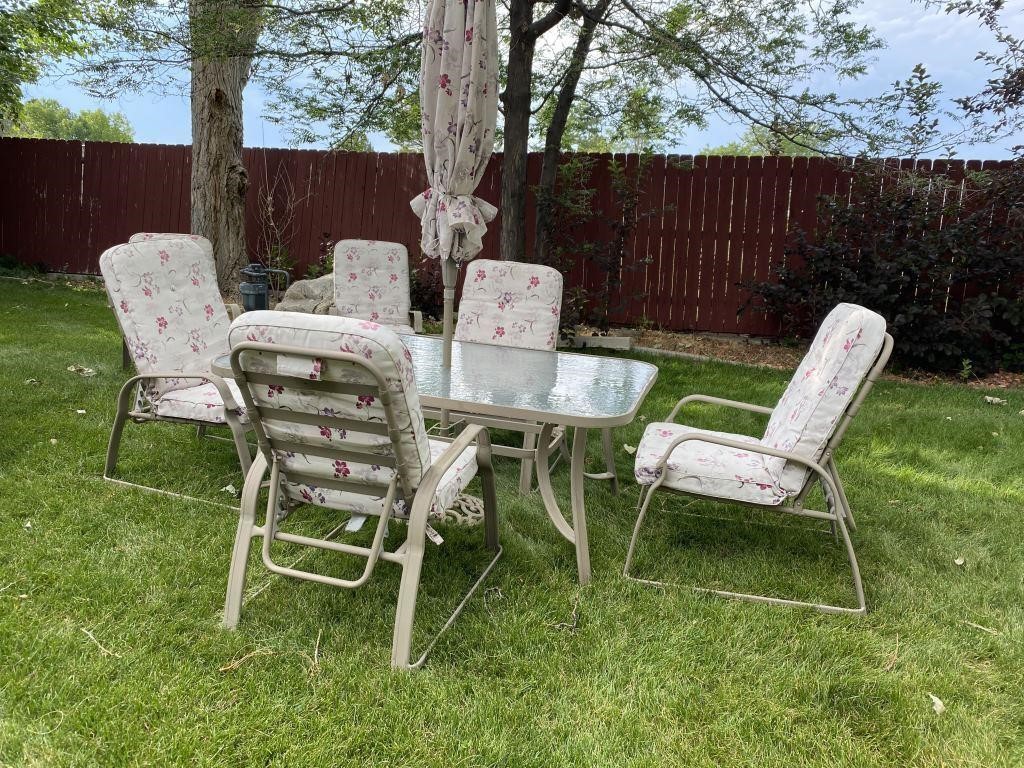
[255, 286]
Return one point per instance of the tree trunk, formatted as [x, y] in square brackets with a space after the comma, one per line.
[220, 70]
[517, 98]
[556, 130]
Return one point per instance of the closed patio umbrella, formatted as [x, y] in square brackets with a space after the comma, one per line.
[459, 110]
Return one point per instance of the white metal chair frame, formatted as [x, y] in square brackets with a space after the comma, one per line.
[839, 516]
[409, 555]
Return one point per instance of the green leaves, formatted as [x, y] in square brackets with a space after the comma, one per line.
[48, 119]
[941, 259]
[32, 34]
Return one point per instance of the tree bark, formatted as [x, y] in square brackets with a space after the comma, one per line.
[221, 61]
[556, 131]
[517, 99]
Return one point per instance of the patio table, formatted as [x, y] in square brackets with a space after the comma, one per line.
[550, 388]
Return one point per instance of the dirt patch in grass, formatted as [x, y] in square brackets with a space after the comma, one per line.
[787, 356]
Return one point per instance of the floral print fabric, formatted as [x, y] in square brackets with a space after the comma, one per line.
[837, 362]
[510, 304]
[198, 403]
[202, 242]
[453, 482]
[166, 300]
[371, 282]
[376, 344]
[459, 110]
[706, 468]
[843, 351]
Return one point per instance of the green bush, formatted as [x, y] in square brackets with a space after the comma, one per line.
[941, 260]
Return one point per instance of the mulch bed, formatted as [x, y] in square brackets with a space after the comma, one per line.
[787, 356]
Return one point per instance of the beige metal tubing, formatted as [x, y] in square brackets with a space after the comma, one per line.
[825, 470]
[409, 554]
[126, 396]
[405, 612]
[838, 519]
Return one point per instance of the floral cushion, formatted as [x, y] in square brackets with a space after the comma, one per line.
[843, 351]
[511, 304]
[202, 242]
[167, 303]
[453, 482]
[371, 282]
[706, 468]
[198, 403]
[377, 344]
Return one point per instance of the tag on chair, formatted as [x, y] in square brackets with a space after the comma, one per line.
[355, 523]
[434, 536]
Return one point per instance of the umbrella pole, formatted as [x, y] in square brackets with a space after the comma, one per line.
[449, 276]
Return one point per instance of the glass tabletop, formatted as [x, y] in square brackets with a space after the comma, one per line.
[556, 387]
[566, 387]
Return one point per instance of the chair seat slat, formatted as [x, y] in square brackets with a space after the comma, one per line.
[314, 385]
[318, 420]
[331, 452]
[355, 486]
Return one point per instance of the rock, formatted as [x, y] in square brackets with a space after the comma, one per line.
[315, 297]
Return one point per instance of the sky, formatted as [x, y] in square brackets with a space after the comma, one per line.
[945, 44]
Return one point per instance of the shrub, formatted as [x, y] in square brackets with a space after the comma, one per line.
[426, 287]
[941, 260]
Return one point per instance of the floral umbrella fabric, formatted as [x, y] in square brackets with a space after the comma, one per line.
[459, 110]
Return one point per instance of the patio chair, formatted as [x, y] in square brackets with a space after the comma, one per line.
[513, 304]
[334, 405]
[796, 451]
[371, 282]
[172, 318]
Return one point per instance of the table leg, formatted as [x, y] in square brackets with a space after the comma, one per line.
[577, 532]
[579, 512]
[526, 465]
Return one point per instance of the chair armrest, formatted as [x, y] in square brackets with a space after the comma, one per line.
[717, 401]
[417, 320]
[764, 450]
[217, 381]
[233, 311]
[475, 433]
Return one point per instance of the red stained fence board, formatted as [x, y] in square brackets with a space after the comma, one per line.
[706, 226]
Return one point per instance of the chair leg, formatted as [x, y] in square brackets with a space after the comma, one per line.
[241, 444]
[843, 532]
[486, 473]
[646, 500]
[124, 398]
[609, 458]
[526, 465]
[243, 541]
[847, 510]
[200, 431]
[405, 612]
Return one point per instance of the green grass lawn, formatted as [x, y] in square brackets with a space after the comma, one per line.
[110, 600]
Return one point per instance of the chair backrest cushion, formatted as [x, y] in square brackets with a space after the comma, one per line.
[371, 281]
[376, 344]
[510, 303]
[202, 242]
[844, 350]
[167, 303]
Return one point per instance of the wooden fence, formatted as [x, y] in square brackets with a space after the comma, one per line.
[713, 223]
